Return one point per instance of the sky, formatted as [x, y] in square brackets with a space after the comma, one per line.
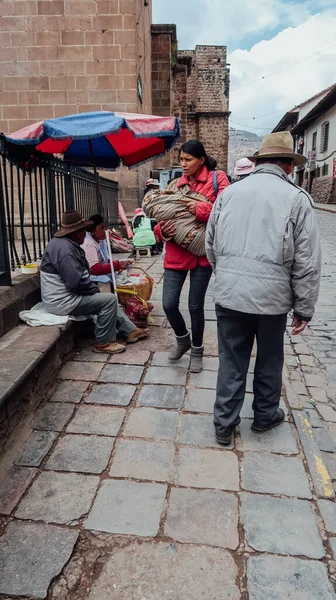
[262, 37]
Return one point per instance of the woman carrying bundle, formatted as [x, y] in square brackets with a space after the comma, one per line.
[199, 177]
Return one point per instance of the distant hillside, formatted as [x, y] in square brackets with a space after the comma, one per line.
[241, 143]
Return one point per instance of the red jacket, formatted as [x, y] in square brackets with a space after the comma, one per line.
[177, 257]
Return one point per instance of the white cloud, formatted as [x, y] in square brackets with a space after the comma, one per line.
[229, 22]
[306, 27]
[283, 90]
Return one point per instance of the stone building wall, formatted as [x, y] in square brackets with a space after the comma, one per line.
[66, 56]
[208, 101]
[163, 57]
[194, 86]
[324, 190]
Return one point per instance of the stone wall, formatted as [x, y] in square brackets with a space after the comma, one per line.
[163, 58]
[66, 56]
[212, 86]
[208, 100]
[324, 190]
[194, 86]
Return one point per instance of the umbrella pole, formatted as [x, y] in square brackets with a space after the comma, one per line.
[111, 261]
[98, 188]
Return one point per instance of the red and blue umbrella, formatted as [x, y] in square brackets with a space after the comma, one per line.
[102, 139]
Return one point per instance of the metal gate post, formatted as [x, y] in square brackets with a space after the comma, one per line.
[52, 201]
[5, 274]
[69, 191]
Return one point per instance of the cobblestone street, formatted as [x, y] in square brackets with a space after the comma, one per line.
[122, 493]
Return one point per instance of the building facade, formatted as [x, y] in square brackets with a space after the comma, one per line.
[193, 85]
[313, 125]
[60, 57]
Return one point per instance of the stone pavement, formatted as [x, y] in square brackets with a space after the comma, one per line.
[121, 492]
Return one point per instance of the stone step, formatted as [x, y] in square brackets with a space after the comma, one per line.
[25, 352]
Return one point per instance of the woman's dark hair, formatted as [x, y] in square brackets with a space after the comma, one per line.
[96, 220]
[137, 221]
[196, 148]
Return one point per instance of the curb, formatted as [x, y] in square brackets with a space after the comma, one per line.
[316, 465]
[330, 210]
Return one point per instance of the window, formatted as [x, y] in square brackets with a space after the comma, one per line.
[324, 137]
[314, 140]
[318, 172]
[325, 170]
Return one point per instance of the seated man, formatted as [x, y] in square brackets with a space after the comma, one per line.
[67, 289]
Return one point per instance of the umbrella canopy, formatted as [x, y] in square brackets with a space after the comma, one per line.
[105, 139]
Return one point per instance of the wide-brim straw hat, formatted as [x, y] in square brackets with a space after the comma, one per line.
[278, 145]
[72, 221]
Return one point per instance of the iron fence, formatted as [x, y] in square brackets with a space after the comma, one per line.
[34, 192]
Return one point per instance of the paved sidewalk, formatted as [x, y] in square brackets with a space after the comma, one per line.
[121, 492]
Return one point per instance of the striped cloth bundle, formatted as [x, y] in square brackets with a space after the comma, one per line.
[171, 204]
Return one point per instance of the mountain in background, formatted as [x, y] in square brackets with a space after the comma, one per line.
[241, 143]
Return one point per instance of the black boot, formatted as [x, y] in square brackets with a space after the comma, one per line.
[196, 359]
[279, 418]
[183, 344]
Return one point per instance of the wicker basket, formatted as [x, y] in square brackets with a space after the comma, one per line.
[142, 290]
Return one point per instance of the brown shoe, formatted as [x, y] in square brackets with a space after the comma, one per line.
[112, 347]
[136, 335]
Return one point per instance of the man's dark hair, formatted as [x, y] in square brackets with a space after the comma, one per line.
[278, 160]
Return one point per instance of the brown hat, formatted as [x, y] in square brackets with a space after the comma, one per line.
[278, 145]
[72, 221]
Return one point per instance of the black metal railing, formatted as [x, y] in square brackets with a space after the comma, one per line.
[34, 193]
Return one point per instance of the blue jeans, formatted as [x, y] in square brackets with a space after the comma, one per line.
[172, 287]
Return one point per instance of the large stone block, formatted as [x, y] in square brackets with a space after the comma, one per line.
[118, 374]
[97, 420]
[198, 430]
[163, 396]
[280, 440]
[202, 468]
[111, 393]
[12, 487]
[171, 571]
[128, 507]
[203, 517]
[281, 526]
[279, 577]
[143, 460]
[58, 498]
[36, 448]
[272, 474]
[81, 453]
[151, 423]
[31, 555]
[166, 375]
[53, 416]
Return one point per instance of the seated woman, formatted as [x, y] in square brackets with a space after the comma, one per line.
[143, 231]
[96, 252]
